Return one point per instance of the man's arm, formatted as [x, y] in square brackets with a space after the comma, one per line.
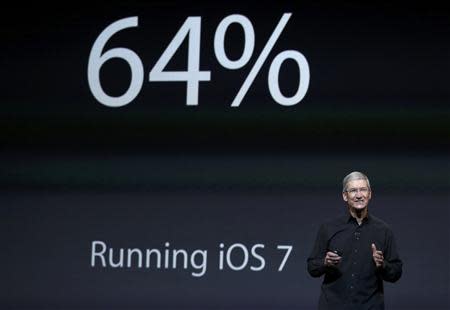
[316, 261]
[391, 270]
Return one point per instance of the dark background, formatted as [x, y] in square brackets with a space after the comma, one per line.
[156, 170]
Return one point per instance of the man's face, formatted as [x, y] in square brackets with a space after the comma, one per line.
[357, 194]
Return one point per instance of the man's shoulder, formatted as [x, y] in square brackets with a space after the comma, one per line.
[379, 222]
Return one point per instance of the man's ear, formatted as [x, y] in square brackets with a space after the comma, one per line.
[344, 196]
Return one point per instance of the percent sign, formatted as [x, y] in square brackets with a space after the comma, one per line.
[192, 30]
[274, 70]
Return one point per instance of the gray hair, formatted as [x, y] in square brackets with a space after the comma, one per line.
[355, 175]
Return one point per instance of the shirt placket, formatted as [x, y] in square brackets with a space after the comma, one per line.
[354, 267]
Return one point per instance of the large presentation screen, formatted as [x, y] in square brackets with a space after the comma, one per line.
[183, 154]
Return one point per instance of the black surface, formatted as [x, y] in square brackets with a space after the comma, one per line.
[155, 171]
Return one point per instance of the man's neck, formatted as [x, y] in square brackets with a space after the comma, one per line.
[359, 215]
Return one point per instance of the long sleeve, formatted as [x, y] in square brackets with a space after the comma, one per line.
[316, 266]
[392, 266]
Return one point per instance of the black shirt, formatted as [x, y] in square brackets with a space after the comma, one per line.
[356, 283]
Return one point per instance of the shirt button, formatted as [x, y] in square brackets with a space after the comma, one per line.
[353, 275]
[356, 250]
[351, 287]
[354, 263]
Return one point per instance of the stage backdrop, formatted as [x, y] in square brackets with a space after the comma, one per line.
[182, 155]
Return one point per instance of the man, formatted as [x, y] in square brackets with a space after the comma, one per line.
[355, 252]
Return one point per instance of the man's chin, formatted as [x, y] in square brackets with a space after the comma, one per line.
[359, 207]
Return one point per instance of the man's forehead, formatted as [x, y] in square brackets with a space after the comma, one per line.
[357, 183]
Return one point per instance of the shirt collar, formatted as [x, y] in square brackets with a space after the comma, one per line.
[351, 218]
